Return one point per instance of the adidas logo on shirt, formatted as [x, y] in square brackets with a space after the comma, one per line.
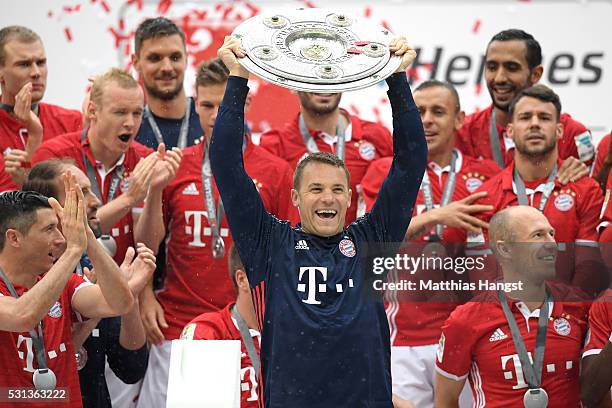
[301, 244]
[191, 189]
[498, 335]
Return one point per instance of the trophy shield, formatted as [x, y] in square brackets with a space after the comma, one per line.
[316, 50]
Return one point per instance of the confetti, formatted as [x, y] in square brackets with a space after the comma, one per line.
[227, 12]
[50, 13]
[163, 6]
[138, 3]
[476, 26]
[254, 9]
[367, 12]
[478, 89]
[68, 34]
[354, 109]
[105, 6]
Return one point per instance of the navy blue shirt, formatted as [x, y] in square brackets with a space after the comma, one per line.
[170, 129]
[324, 342]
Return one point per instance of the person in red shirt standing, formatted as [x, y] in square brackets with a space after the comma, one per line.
[416, 322]
[190, 210]
[236, 321]
[40, 296]
[520, 344]
[322, 126]
[513, 62]
[25, 121]
[572, 209]
[107, 153]
[596, 374]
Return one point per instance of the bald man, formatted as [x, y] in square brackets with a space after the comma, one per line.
[491, 338]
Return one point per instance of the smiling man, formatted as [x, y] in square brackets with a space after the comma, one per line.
[479, 341]
[23, 117]
[324, 344]
[160, 58]
[513, 62]
[108, 154]
[572, 209]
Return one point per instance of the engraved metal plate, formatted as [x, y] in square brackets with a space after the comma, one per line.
[316, 50]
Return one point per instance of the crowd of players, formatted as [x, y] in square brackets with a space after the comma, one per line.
[140, 157]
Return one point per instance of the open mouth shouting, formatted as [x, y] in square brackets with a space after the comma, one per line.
[327, 214]
[125, 137]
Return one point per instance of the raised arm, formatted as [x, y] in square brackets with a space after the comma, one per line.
[392, 210]
[246, 215]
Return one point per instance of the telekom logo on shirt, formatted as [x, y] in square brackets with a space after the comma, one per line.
[311, 288]
[193, 221]
[517, 374]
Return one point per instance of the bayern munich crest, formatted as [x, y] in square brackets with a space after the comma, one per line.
[347, 248]
[564, 202]
[367, 151]
[472, 184]
[562, 326]
[55, 311]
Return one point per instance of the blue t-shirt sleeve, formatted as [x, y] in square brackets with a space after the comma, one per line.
[250, 224]
[392, 211]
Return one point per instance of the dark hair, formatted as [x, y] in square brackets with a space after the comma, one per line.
[540, 92]
[604, 172]
[15, 32]
[154, 28]
[212, 72]
[18, 211]
[434, 83]
[234, 263]
[319, 157]
[534, 51]
[43, 177]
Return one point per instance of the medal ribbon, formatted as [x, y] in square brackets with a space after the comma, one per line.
[310, 143]
[38, 340]
[247, 339]
[447, 193]
[494, 139]
[522, 194]
[533, 372]
[214, 214]
[182, 139]
[92, 175]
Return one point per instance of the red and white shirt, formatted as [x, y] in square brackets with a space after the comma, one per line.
[602, 152]
[572, 210]
[196, 282]
[222, 326]
[606, 217]
[55, 121]
[418, 322]
[476, 342]
[69, 146]
[600, 324]
[17, 354]
[365, 142]
[473, 138]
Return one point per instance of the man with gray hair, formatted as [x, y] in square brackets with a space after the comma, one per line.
[520, 345]
[25, 121]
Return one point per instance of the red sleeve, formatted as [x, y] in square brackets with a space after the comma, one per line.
[589, 211]
[577, 141]
[602, 152]
[600, 322]
[286, 210]
[6, 182]
[270, 141]
[75, 283]
[373, 179]
[380, 136]
[454, 355]
[44, 152]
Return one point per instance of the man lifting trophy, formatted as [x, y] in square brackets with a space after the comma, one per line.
[325, 341]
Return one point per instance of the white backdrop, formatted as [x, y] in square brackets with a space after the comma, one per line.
[87, 36]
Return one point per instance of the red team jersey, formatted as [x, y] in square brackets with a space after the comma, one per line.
[602, 152]
[17, 355]
[474, 139]
[476, 342]
[368, 141]
[572, 210]
[222, 326]
[600, 324]
[70, 146]
[196, 282]
[419, 323]
[55, 121]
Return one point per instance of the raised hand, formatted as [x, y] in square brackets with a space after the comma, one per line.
[459, 214]
[140, 179]
[229, 53]
[166, 166]
[399, 47]
[73, 215]
[138, 271]
[23, 112]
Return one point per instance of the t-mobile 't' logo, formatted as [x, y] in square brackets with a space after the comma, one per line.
[311, 279]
